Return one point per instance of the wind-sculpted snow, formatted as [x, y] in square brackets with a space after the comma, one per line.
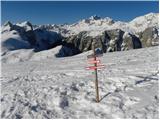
[62, 88]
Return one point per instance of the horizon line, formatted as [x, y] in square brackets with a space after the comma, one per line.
[76, 21]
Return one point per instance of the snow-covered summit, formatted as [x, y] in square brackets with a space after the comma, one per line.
[148, 17]
[7, 23]
[7, 26]
[95, 25]
[141, 23]
[26, 25]
[95, 17]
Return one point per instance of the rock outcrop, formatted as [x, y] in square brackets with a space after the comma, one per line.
[109, 41]
[149, 37]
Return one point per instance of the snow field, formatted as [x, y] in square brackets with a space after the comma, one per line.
[63, 88]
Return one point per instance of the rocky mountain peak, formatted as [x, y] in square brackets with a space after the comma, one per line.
[8, 26]
[26, 25]
[95, 17]
[7, 23]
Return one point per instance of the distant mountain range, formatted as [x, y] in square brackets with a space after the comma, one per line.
[109, 35]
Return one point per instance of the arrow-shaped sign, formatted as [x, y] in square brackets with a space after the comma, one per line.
[93, 61]
[94, 67]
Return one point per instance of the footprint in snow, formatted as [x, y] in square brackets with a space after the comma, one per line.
[64, 102]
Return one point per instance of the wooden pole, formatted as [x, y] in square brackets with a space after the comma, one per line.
[96, 75]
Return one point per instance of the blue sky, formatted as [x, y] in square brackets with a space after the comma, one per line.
[43, 12]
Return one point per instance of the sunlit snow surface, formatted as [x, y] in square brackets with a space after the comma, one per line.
[62, 88]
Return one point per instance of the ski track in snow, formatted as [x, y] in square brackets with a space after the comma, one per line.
[62, 88]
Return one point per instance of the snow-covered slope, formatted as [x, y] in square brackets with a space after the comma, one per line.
[139, 24]
[62, 88]
[23, 36]
[13, 41]
[29, 55]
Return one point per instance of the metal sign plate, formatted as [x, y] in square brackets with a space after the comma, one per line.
[94, 67]
[93, 61]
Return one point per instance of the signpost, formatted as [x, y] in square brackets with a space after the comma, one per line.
[92, 55]
[93, 67]
[96, 66]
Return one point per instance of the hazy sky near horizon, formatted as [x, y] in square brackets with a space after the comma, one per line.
[53, 12]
